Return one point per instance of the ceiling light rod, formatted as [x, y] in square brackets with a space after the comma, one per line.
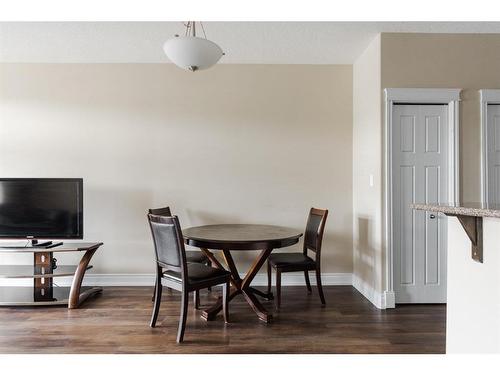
[191, 29]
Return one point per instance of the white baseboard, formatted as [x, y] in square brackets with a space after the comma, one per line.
[380, 300]
[147, 279]
[290, 279]
[390, 299]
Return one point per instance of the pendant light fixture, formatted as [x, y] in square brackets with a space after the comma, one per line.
[191, 52]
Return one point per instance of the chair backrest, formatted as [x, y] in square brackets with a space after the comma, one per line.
[314, 230]
[164, 211]
[168, 242]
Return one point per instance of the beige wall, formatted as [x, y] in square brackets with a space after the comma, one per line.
[238, 143]
[367, 151]
[466, 61]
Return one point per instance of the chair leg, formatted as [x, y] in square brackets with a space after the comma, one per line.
[320, 286]
[308, 282]
[157, 299]
[278, 288]
[209, 263]
[182, 320]
[154, 290]
[225, 302]
[269, 274]
[168, 288]
[196, 299]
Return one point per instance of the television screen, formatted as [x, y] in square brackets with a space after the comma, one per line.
[50, 208]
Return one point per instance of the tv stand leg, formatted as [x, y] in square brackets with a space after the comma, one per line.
[75, 298]
[43, 263]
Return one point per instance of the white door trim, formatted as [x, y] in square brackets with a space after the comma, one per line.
[486, 97]
[392, 96]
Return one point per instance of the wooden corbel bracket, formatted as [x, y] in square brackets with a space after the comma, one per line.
[473, 226]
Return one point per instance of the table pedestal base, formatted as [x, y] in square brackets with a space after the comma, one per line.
[241, 286]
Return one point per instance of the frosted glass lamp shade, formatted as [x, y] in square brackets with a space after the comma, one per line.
[192, 53]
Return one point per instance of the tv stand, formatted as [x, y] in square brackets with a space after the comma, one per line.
[44, 269]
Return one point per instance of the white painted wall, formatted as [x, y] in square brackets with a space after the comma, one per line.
[235, 144]
[367, 174]
[473, 309]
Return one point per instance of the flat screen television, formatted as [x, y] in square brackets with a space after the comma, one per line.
[44, 208]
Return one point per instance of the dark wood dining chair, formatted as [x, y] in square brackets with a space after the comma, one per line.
[191, 256]
[294, 262]
[178, 274]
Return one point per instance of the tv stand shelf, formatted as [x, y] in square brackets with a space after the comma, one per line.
[20, 271]
[43, 271]
[25, 296]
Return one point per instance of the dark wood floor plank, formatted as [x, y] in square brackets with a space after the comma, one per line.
[118, 322]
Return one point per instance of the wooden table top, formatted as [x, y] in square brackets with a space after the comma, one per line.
[241, 236]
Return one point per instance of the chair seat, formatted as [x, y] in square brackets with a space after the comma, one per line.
[196, 257]
[199, 273]
[284, 260]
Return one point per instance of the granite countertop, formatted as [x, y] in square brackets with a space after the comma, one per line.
[465, 209]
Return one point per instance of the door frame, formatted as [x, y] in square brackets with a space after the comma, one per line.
[393, 96]
[486, 96]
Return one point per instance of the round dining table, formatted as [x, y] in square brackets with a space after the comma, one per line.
[229, 238]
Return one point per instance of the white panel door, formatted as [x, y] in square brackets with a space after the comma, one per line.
[493, 149]
[419, 174]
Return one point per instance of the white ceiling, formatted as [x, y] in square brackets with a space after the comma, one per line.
[243, 42]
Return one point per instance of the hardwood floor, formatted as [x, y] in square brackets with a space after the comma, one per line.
[118, 322]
